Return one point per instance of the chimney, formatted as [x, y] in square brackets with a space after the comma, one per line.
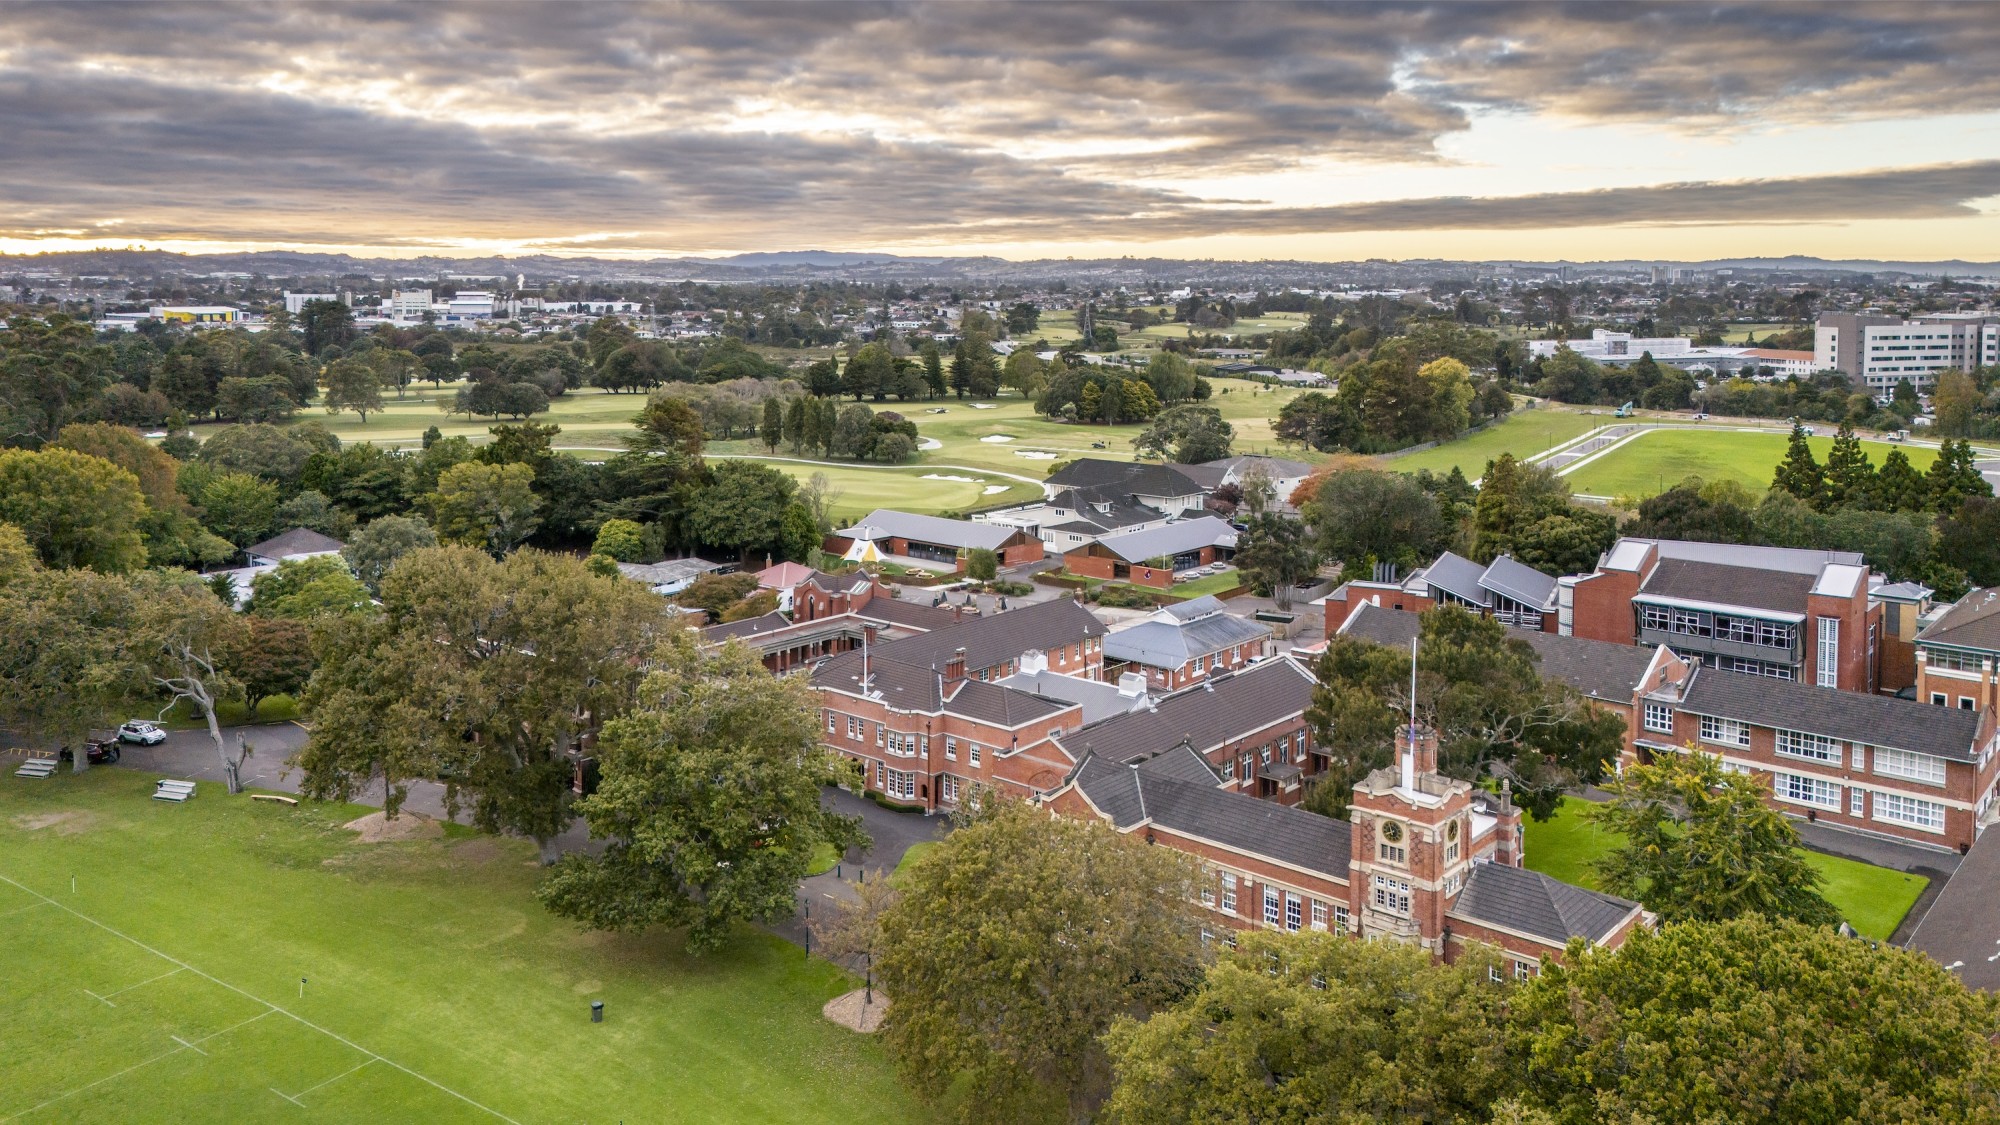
[1418, 748]
[954, 669]
[871, 633]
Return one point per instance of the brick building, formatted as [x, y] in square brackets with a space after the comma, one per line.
[832, 614]
[938, 540]
[1185, 642]
[1151, 557]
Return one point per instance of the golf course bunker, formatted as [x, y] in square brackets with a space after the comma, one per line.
[1036, 454]
[930, 443]
[997, 439]
[948, 476]
[992, 488]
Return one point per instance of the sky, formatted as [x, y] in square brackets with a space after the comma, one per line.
[1595, 131]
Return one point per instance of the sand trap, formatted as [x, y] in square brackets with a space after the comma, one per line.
[65, 823]
[948, 476]
[375, 828]
[849, 1012]
[984, 406]
[997, 439]
[930, 443]
[993, 488]
[1036, 455]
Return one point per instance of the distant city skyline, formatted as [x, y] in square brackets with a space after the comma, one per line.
[1242, 131]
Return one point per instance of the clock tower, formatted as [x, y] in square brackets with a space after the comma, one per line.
[1413, 843]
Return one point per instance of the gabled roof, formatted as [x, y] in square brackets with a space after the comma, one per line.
[1532, 903]
[784, 576]
[1600, 669]
[668, 570]
[909, 687]
[996, 639]
[1170, 644]
[1102, 509]
[1133, 795]
[1145, 479]
[910, 615]
[837, 583]
[1851, 716]
[1458, 576]
[1172, 539]
[294, 543]
[748, 627]
[887, 523]
[1520, 582]
[1220, 710]
[1973, 622]
[1776, 591]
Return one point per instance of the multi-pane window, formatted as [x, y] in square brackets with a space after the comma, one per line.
[1229, 770]
[950, 748]
[1828, 664]
[1299, 745]
[1800, 789]
[829, 722]
[1857, 801]
[1451, 851]
[1319, 915]
[1774, 634]
[972, 753]
[1523, 970]
[1392, 853]
[1654, 617]
[1392, 895]
[1229, 894]
[948, 788]
[881, 779]
[1660, 718]
[1898, 809]
[1249, 766]
[853, 728]
[1208, 896]
[1724, 732]
[1956, 661]
[881, 734]
[1927, 768]
[1818, 747]
[1293, 908]
[1272, 904]
[901, 783]
[1339, 919]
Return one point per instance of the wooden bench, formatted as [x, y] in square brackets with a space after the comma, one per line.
[175, 791]
[274, 797]
[37, 767]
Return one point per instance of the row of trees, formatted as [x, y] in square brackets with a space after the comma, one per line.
[810, 426]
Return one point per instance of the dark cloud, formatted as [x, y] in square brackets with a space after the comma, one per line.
[690, 125]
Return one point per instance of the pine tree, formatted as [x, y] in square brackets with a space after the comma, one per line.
[961, 369]
[1800, 473]
[1898, 486]
[933, 370]
[1953, 477]
[798, 423]
[773, 429]
[1850, 479]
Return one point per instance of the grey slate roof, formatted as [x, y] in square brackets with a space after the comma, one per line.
[887, 523]
[1100, 509]
[910, 615]
[1520, 582]
[1172, 539]
[297, 541]
[1170, 644]
[1600, 669]
[1798, 560]
[1100, 700]
[1973, 622]
[1753, 587]
[1458, 576]
[1220, 710]
[998, 638]
[1133, 795]
[749, 627]
[913, 688]
[1126, 477]
[1851, 716]
[1532, 903]
[1182, 764]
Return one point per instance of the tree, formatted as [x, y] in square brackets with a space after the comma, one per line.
[325, 324]
[1850, 478]
[182, 634]
[352, 385]
[1274, 554]
[303, 589]
[1899, 487]
[68, 658]
[1320, 1027]
[264, 399]
[1569, 377]
[1954, 476]
[1755, 1019]
[1190, 435]
[982, 565]
[311, 509]
[489, 506]
[1955, 400]
[77, 510]
[1700, 843]
[1525, 511]
[1017, 942]
[1171, 376]
[708, 799]
[800, 534]
[743, 508]
[1969, 539]
[239, 507]
[1360, 516]
[482, 673]
[1800, 473]
[168, 530]
[606, 335]
[372, 550]
[276, 454]
[622, 540]
[772, 431]
[275, 658]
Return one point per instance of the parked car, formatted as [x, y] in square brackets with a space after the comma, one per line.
[141, 732]
[96, 751]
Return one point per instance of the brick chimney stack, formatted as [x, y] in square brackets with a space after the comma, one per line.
[954, 669]
[1418, 746]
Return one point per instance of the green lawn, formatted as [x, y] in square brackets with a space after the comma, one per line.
[900, 875]
[1522, 433]
[1872, 899]
[589, 418]
[164, 984]
[1657, 460]
[1212, 584]
[864, 488]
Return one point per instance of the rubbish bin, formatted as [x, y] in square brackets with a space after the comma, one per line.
[597, 1011]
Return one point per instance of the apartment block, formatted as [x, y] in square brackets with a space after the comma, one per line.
[1876, 352]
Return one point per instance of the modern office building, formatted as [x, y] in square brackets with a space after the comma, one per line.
[1877, 352]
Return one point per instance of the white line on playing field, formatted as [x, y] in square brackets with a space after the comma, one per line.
[240, 992]
[21, 909]
[107, 996]
[330, 1081]
[99, 1082]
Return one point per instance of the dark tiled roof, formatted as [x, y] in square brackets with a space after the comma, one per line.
[1132, 795]
[835, 583]
[1754, 588]
[1125, 477]
[913, 688]
[1600, 669]
[912, 615]
[1973, 621]
[1532, 903]
[297, 541]
[1851, 716]
[749, 627]
[993, 640]
[1102, 509]
[1223, 708]
[1181, 764]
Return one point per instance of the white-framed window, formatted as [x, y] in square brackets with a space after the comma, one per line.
[829, 722]
[1452, 883]
[1801, 789]
[881, 734]
[1299, 744]
[1208, 896]
[1339, 919]
[1895, 808]
[1249, 767]
[1229, 770]
[1939, 699]
[1265, 755]
[1200, 664]
[1659, 718]
[1451, 851]
[1272, 905]
[901, 784]
[1493, 974]
[1857, 801]
[1827, 667]
[1927, 768]
[972, 753]
[950, 748]
[948, 788]
[1229, 894]
[1818, 747]
[1724, 732]
[1967, 703]
[1857, 756]
[1523, 970]
[1293, 911]
[854, 728]
[881, 778]
[1319, 916]
[1392, 895]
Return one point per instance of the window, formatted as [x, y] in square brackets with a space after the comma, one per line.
[1659, 718]
[1229, 894]
[1828, 664]
[829, 722]
[1392, 895]
[1927, 768]
[1299, 744]
[1451, 852]
[1271, 906]
[1249, 767]
[1319, 916]
[881, 734]
[1857, 801]
[1654, 617]
[1965, 703]
[1493, 974]
[1229, 770]
[1339, 919]
[1523, 970]
[950, 749]
[1200, 663]
[1802, 790]
[1724, 732]
[901, 784]
[1898, 809]
[972, 754]
[1939, 699]
[1208, 897]
[880, 777]
[1265, 755]
[1857, 756]
[1391, 853]
[948, 788]
[1797, 744]
[1452, 883]
[853, 728]
[1293, 908]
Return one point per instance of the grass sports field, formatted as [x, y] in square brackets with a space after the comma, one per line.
[864, 488]
[1658, 460]
[1522, 433]
[1872, 899]
[165, 986]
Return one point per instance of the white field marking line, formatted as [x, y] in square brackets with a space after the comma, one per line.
[21, 909]
[1613, 447]
[99, 1082]
[188, 1045]
[95, 996]
[286, 1096]
[147, 981]
[247, 995]
[330, 1081]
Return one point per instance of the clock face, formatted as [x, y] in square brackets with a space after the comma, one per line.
[1391, 831]
[1451, 831]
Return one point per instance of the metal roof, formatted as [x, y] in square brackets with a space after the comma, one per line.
[887, 523]
[295, 543]
[1519, 582]
[1458, 576]
[1173, 539]
[1170, 644]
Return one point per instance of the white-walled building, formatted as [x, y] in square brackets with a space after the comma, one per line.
[296, 302]
[409, 306]
[1877, 352]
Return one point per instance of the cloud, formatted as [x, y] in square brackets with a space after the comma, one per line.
[695, 126]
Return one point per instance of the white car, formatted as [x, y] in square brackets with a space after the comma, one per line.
[141, 732]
